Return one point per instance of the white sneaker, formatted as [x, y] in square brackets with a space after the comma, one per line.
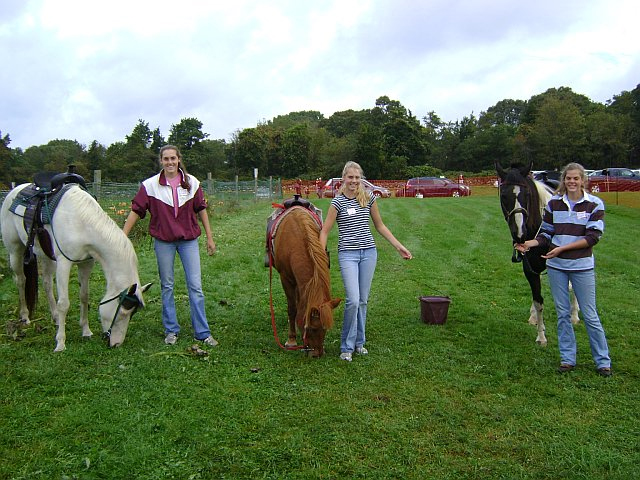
[361, 351]
[171, 338]
[212, 342]
[346, 356]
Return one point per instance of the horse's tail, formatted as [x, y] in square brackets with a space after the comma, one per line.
[30, 269]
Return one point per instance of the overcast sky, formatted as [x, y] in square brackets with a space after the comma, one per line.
[89, 69]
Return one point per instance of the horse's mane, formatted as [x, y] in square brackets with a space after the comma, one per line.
[89, 212]
[319, 282]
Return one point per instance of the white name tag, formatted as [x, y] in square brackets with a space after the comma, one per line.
[351, 211]
[582, 214]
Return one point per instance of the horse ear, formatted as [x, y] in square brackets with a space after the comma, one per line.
[501, 173]
[334, 302]
[526, 169]
[146, 287]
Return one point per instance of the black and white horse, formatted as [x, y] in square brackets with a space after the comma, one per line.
[523, 200]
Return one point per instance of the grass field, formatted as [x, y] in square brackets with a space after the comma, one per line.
[474, 398]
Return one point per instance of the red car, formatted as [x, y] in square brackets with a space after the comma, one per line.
[434, 187]
[614, 180]
[331, 188]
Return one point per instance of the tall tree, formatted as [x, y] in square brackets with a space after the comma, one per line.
[186, 133]
[295, 151]
[558, 134]
[5, 160]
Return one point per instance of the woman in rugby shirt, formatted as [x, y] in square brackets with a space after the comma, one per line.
[572, 224]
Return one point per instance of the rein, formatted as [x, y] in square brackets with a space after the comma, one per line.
[55, 239]
[122, 297]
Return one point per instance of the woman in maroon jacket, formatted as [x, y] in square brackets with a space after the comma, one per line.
[175, 200]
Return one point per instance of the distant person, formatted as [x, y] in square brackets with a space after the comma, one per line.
[298, 187]
[572, 225]
[319, 187]
[175, 200]
[357, 254]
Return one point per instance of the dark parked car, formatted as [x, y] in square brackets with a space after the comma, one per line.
[547, 176]
[614, 180]
[332, 186]
[434, 187]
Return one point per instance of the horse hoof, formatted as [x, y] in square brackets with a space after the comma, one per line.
[60, 349]
[87, 337]
[542, 343]
[25, 321]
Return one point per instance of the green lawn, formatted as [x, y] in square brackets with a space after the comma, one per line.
[474, 398]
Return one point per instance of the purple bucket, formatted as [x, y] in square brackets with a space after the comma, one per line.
[434, 310]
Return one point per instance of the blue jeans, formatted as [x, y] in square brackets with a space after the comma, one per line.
[356, 267]
[190, 257]
[584, 287]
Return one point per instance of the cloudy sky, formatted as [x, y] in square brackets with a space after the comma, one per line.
[89, 69]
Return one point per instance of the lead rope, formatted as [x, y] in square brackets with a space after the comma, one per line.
[273, 316]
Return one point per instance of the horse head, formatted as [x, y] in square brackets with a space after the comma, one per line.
[519, 201]
[319, 320]
[116, 312]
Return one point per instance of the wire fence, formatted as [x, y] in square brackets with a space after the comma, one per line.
[269, 189]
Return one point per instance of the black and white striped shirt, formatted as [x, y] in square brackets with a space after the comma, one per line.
[354, 231]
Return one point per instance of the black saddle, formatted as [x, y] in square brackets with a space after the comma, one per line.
[36, 203]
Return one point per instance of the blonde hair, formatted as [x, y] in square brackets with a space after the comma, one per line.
[562, 189]
[361, 195]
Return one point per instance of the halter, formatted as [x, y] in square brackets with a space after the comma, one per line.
[521, 210]
[124, 299]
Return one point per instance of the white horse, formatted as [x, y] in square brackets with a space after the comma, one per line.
[81, 233]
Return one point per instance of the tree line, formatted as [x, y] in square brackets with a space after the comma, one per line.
[389, 141]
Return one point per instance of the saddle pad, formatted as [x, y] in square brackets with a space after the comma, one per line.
[29, 197]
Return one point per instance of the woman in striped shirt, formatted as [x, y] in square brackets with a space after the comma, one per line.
[357, 254]
[573, 222]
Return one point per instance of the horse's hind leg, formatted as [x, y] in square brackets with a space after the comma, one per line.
[15, 259]
[575, 308]
[84, 272]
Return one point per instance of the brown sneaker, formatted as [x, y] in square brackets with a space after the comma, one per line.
[565, 367]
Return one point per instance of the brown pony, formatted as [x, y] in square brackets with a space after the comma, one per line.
[304, 272]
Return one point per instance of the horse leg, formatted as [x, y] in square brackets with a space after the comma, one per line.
[575, 319]
[84, 272]
[63, 269]
[537, 307]
[48, 269]
[15, 259]
[292, 311]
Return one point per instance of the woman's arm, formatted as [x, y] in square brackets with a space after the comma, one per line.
[131, 220]
[332, 214]
[204, 218]
[386, 233]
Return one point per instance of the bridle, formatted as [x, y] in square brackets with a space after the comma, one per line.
[124, 300]
[517, 256]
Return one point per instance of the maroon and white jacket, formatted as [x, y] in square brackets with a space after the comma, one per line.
[156, 196]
